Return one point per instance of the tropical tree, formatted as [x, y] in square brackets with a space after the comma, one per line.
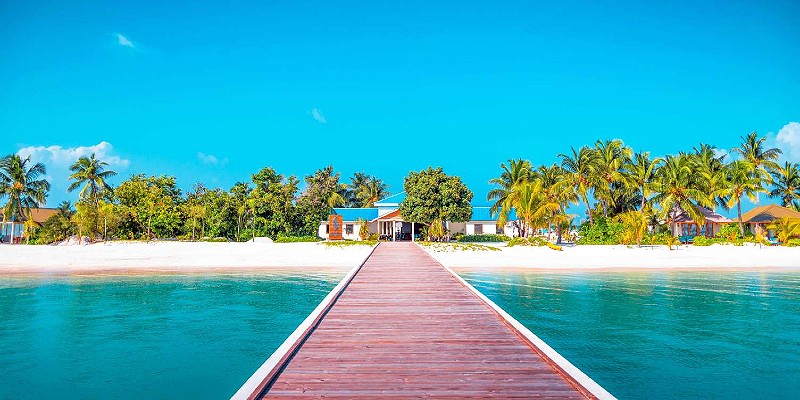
[609, 157]
[635, 223]
[59, 226]
[741, 181]
[580, 172]
[640, 172]
[786, 184]
[23, 185]
[556, 190]
[761, 159]
[533, 208]
[91, 174]
[515, 172]
[109, 213]
[676, 189]
[371, 191]
[432, 195]
[785, 228]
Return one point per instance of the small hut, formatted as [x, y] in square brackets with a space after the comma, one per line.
[686, 228]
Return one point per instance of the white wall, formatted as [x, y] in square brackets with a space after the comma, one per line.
[373, 228]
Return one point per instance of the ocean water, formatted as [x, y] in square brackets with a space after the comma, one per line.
[159, 337]
[665, 335]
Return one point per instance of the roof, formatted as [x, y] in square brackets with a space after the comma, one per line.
[394, 199]
[353, 214]
[39, 215]
[711, 216]
[485, 214]
[769, 213]
[391, 216]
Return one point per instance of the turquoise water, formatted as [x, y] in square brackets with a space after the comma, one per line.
[146, 337]
[663, 335]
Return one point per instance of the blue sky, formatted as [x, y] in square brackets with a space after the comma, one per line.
[212, 92]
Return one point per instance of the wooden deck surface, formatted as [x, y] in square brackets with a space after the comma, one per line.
[404, 327]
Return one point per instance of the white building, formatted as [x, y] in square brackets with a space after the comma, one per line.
[385, 220]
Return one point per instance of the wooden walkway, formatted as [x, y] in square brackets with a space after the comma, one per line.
[403, 326]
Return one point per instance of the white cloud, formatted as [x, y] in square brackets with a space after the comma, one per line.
[123, 41]
[57, 160]
[210, 159]
[718, 152]
[788, 140]
[317, 114]
[57, 155]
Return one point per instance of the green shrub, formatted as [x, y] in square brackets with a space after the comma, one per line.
[603, 231]
[792, 243]
[487, 237]
[657, 239]
[373, 237]
[705, 241]
[297, 239]
[346, 243]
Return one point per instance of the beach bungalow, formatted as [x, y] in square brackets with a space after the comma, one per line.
[686, 228]
[385, 220]
[757, 219]
[39, 215]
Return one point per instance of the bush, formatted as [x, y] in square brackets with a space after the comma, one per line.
[487, 237]
[657, 239]
[532, 241]
[297, 239]
[792, 243]
[518, 241]
[602, 231]
[704, 241]
[373, 237]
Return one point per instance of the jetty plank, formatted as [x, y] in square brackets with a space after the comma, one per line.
[403, 327]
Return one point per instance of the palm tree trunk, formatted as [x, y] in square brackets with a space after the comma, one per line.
[588, 209]
[644, 200]
[105, 229]
[11, 239]
[739, 209]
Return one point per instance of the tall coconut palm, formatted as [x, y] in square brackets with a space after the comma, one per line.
[639, 172]
[24, 186]
[515, 172]
[609, 157]
[741, 181]
[371, 191]
[786, 183]
[762, 159]
[556, 190]
[530, 204]
[357, 181]
[580, 169]
[676, 189]
[91, 173]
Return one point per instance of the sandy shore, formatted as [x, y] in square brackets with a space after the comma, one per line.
[177, 257]
[717, 257]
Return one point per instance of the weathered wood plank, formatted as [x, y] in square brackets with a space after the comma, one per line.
[406, 327]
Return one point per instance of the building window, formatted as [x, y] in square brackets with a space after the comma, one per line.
[327, 228]
[479, 229]
[348, 229]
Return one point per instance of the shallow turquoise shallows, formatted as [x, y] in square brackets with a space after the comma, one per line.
[146, 337]
[664, 335]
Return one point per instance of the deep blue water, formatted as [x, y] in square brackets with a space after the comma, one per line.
[665, 335]
[146, 337]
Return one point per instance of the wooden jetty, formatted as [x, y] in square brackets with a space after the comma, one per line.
[401, 325]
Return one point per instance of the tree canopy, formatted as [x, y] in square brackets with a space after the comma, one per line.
[432, 195]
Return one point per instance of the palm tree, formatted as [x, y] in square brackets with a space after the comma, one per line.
[24, 185]
[741, 181]
[357, 181]
[92, 174]
[532, 207]
[515, 172]
[639, 172]
[556, 190]
[785, 228]
[677, 189]
[762, 159]
[711, 167]
[635, 223]
[371, 191]
[609, 157]
[580, 169]
[786, 181]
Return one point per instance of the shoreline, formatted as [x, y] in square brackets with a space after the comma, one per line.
[177, 258]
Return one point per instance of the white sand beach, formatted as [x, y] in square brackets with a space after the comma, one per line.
[717, 257]
[176, 257]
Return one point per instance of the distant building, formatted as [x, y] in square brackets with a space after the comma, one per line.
[385, 220]
[686, 228]
[39, 215]
[760, 217]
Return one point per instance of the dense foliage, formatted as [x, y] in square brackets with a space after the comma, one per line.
[432, 195]
[487, 237]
